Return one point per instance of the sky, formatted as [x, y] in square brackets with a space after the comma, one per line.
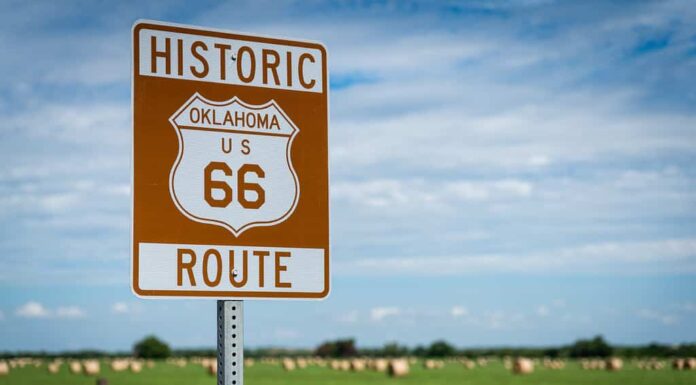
[502, 173]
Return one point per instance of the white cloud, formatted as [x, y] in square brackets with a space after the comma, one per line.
[460, 136]
[35, 309]
[654, 315]
[350, 317]
[380, 313]
[120, 308]
[543, 311]
[459, 311]
[671, 255]
[688, 307]
[32, 310]
[499, 319]
[539, 160]
[99, 124]
[418, 192]
[70, 312]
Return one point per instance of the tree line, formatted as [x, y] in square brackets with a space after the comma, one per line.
[153, 348]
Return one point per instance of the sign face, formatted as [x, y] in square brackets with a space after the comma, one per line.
[230, 165]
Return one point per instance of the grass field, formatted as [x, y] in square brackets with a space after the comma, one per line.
[264, 374]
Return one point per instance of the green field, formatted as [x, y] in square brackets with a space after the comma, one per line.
[264, 374]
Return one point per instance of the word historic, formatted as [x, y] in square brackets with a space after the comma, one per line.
[230, 61]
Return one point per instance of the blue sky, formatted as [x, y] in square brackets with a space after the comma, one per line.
[502, 173]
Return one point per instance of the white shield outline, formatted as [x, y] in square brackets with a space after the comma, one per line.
[271, 103]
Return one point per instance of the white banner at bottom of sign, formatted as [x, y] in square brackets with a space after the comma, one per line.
[209, 268]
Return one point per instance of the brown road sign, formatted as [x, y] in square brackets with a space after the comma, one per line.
[230, 165]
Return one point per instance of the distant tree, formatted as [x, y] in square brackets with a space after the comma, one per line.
[552, 352]
[440, 349]
[393, 349]
[338, 348]
[595, 347]
[419, 351]
[151, 347]
[685, 350]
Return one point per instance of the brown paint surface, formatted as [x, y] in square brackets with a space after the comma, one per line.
[155, 147]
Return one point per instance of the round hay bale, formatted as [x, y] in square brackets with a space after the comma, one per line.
[75, 367]
[429, 364]
[469, 364]
[357, 365]
[380, 365]
[301, 363]
[119, 365]
[614, 364]
[690, 363]
[522, 366]
[249, 362]
[91, 367]
[136, 366]
[4, 368]
[53, 367]
[398, 368]
[211, 367]
[288, 364]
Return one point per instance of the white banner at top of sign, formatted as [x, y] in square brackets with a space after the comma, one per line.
[229, 61]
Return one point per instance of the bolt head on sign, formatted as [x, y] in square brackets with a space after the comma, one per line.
[230, 165]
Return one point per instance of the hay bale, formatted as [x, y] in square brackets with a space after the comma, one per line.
[91, 367]
[75, 367]
[398, 368]
[690, 363]
[249, 362]
[433, 364]
[53, 367]
[595, 364]
[211, 367]
[288, 364]
[380, 365]
[301, 363]
[136, 366]
[429, 364]
[522, 366]
[469, 364]
[4, 368]
[119, 365]
[357, 365]
[614, 364]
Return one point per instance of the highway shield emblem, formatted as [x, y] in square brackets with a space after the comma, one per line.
[234, 166]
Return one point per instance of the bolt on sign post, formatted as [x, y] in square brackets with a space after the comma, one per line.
[230, 171]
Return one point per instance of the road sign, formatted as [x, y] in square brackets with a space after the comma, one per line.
[230, 165]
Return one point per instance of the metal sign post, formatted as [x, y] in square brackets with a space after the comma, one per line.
[230, 337]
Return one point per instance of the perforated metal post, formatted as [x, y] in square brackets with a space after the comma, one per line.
[230, 337]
